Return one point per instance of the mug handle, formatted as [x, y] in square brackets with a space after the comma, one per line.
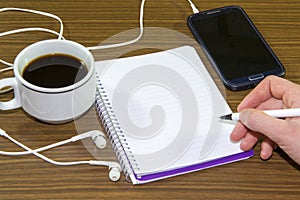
[16, 101]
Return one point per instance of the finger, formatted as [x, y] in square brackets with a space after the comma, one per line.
[250, 140]
[271, 104]
[271, 86]
[267, 147]
[260, 122]
[238, 132]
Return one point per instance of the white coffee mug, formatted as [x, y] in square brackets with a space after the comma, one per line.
[52, 105]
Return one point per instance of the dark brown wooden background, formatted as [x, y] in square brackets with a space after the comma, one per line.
[92, 21]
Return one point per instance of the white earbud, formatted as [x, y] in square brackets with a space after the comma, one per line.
[99, 140]
[97, 136]
[114, 174]
[114, 169]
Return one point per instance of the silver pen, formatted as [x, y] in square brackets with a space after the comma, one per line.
[279, 113]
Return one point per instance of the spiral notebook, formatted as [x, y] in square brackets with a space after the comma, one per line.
[161, 113]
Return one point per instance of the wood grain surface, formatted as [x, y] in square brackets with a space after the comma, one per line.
[92, 22]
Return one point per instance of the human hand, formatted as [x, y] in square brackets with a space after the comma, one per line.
[272, 93]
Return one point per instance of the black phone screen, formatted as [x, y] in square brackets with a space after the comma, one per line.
[234, 44]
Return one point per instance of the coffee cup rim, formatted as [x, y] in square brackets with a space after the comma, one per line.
[91, 68]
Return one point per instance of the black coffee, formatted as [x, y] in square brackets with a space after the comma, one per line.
[55, 71]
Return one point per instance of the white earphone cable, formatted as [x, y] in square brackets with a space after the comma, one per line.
[141, 23]
[42, 156]
[21, 153]
[141, 19]
[35, 152]
[51, 146]
[194, 8]
[60, 34]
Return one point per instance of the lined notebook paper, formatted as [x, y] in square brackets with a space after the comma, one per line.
[161, 112]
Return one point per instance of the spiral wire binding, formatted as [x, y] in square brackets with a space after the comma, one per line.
[114, 131]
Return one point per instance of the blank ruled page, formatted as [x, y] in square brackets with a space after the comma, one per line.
[168, 106]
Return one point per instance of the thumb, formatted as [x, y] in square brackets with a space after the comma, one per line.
[275, 129]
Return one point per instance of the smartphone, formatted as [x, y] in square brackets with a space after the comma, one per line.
[236, 49]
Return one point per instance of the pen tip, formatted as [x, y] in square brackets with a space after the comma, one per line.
[226, 117]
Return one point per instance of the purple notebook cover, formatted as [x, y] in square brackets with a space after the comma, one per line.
[196, 167]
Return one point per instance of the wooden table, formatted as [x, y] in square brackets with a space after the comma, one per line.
[92, 22]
